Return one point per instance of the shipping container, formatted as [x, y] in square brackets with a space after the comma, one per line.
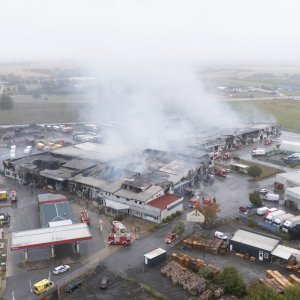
[155, 257]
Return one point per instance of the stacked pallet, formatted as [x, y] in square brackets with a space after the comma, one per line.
[195, 264]
[295, 267]
[276, 281]
[181, 276]
[294, 279]
[215, 246]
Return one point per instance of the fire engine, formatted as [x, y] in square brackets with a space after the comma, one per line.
[209, 200]
[220, 172]
[193, 201]
[226, 155]
[13, 195]
[119, 239]
[85, 217]
[118, 227]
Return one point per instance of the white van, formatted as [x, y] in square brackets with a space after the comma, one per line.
[262, 210]
[271, 197]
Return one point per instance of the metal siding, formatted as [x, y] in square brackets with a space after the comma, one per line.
[157, 259]
[252, 251]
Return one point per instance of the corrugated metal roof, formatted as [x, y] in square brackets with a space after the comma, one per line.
[255, 240]
[281, 252]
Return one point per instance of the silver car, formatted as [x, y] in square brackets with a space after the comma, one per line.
[61, 269]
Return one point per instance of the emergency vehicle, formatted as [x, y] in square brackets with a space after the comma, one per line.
[118, 227]
[119, 239]
[85, 217]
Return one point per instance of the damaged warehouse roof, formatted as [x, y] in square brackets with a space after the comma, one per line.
[91, 151]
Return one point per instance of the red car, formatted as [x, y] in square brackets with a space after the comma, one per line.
[268, 142]
[171, 237]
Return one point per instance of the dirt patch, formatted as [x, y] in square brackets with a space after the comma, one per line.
[119, 288]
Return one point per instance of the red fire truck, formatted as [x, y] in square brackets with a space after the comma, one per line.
[119, 239]
[118, 227]
[13, 195]
[85, 216]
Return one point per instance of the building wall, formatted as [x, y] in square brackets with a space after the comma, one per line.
[176, 206]
[242, 248]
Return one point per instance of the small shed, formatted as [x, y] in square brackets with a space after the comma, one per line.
[293, 194]
[195, 216]
[155, 257]
[255, 244]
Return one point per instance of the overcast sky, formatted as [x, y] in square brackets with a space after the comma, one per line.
[126, 31]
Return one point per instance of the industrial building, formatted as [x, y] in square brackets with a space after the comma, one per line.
[127, 183]
[256, 245]
[290, 179]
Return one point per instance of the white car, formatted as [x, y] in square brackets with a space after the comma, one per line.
[220, 235]
[61, 269]
[264, 191]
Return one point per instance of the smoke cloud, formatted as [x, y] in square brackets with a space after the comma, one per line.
[146, 55]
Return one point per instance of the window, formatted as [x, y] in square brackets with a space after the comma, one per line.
[266, 255]
[135, 201]
[118, 197]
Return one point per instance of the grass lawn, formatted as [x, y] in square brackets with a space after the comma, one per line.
[286, 112]
[266, 171]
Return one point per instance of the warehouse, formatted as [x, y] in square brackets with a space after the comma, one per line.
[290, 179]
[257, 245]
[290, 147]
[293, 194]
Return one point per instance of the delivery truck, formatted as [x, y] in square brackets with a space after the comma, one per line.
[262, 210]
[290, 223]
[272, 216]
[271, 197]
[278, 222]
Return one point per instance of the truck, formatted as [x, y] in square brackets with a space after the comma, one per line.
[258, 152]
[272, 216]
[119, 239]
[271, 197]
[155, 257]
[13, 195]
[262, 210]
[171, 237]
[3, 195]
[290, 159]
[278, 222]
[290, 223]
[84, 216]
[118, 227]
[42, 286]
[193, 201]
[220, 172]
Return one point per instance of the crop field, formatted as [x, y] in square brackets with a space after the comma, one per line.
[286, 112]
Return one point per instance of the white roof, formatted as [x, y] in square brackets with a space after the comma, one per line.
[290, 146]
[154, 253]
[240, 166]
[49, 236]
[60, 223]
[285, 252]
[291, 177]
[294, 192]
[178, 167]
[255, 240]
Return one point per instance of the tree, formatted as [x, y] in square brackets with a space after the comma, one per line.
[254, 171]
[255, 199]
[231, 281]
[209, 211]
[6, 102]
[262, 292]
[179, 228]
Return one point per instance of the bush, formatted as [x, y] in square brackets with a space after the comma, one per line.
[231, 281]
[119, 218]
[236, 157]
[178, 213]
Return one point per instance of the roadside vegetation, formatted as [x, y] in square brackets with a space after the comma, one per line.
[266, 171]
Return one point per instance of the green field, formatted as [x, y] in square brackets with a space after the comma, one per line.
[286, 112]
[266, 171]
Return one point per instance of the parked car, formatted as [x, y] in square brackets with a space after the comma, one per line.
[221, 235]
[243, 209]
[61, 269]
[104, 283]
[72, 286]
[264, 191]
